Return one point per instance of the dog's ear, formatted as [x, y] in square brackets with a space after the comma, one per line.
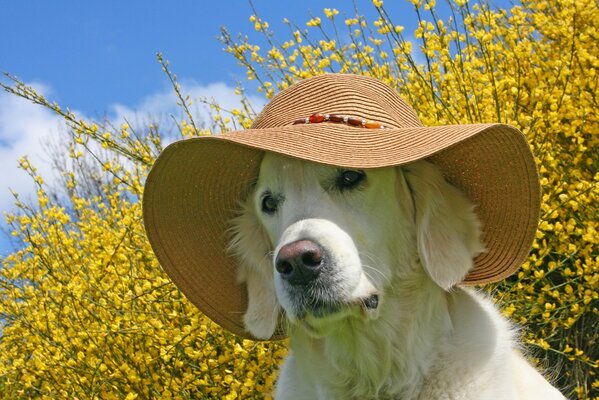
[251, 247]
[447, 229]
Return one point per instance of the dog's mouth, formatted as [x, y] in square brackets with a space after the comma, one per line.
[320, 321]
[371, 303]
[369, 306]
[316, 316]
[321, 309]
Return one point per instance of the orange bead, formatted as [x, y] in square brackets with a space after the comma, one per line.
[373, 125]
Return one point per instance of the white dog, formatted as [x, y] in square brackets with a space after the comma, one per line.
[364, 267]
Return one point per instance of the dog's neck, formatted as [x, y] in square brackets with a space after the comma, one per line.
[365, 356]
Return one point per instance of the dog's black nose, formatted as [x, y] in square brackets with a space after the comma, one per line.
[300, 262]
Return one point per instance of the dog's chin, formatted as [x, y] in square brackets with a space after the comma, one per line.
[319, 318]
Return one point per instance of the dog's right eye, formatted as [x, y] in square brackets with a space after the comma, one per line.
[349, 179]
[269, 204]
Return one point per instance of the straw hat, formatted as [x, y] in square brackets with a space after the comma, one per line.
[195, 186]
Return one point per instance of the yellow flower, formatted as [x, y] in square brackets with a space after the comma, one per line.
[330, 13]
[313, 22]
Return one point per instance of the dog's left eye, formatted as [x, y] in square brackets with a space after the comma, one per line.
[270, 204]
[349, 179]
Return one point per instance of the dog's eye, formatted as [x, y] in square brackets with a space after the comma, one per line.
[349, 179]
[269, 204]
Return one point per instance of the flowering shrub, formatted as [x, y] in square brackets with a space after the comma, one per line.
[87, 312]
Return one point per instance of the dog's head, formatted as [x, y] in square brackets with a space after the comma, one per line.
[326, 243]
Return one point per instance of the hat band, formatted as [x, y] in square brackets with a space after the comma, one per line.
[342, 119]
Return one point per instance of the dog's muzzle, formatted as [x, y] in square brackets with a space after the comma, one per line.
[312, 282]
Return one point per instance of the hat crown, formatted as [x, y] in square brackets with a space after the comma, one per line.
[342, 94]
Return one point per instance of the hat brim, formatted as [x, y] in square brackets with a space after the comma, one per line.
[195, 186]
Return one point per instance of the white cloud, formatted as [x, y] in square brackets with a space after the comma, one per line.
[27, 129]
[158, 107]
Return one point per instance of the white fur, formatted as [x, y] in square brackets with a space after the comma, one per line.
[405, 235]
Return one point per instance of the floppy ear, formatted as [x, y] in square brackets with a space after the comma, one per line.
[251, 247]
[447, 229]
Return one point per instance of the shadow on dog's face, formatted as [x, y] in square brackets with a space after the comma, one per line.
[325, 243]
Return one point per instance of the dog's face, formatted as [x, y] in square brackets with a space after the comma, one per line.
[327, 243]
[325, 225]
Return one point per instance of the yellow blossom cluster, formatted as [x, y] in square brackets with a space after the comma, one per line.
[86, 311]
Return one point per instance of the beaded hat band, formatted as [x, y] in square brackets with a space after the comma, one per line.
[195, 186]
[344, 119]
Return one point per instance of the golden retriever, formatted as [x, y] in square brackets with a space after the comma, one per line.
[363, 267]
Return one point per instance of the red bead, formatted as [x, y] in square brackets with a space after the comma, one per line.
[354, 121]
[335, 118]
[316, 118]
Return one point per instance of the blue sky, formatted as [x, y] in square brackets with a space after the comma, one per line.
[99, 59]
[93, 54]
